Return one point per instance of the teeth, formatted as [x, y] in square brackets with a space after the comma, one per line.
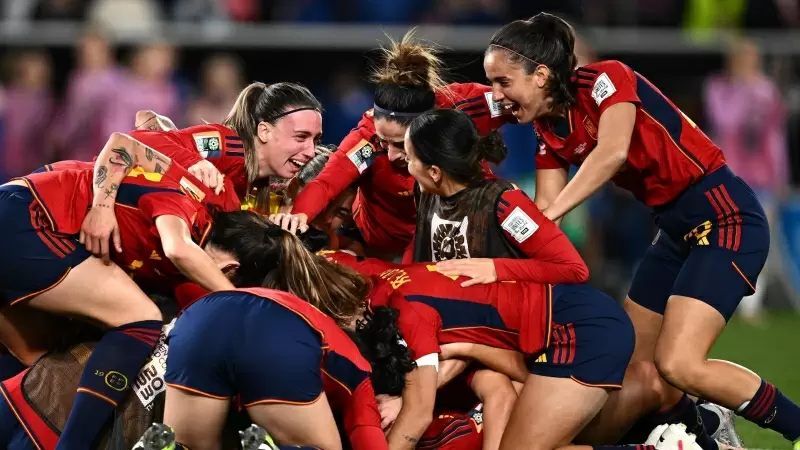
[296, 163]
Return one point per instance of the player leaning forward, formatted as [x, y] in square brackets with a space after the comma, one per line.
[713, 235]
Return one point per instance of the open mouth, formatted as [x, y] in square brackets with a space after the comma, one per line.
[513, 108]
[298, 164]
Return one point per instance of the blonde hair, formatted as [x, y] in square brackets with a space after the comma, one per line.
[240, 121]
[410, 62]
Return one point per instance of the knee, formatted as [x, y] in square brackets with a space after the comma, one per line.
[145, 310]
[678, 369]
[643, 378]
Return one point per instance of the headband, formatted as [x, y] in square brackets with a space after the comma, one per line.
[290, 111]
[391, 113]
[517, 53]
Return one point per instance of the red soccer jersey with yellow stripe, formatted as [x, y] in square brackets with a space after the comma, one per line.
[667, 153]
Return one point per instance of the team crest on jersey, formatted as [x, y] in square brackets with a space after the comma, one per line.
[591, 128]
[361, 155]
[449, 238]
[188, 188]
[603, 88]
[208, 143]
[495, 108]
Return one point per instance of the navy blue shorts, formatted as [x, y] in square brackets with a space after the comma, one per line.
[35, 258]
[712, 243]
[592, 339]
[230, 343]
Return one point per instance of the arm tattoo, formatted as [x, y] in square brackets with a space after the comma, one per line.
[148, 153]
[122, 159]
[159, 169]
[111, 191]
[410, 439]
[100, 176]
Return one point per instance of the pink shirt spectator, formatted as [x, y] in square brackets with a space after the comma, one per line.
[748, 120]
[134, 95]
[28, 116]
[90, 95]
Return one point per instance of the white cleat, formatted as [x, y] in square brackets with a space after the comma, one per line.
[726, 433]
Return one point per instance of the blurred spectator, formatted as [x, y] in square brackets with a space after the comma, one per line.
[748, 120]
[60, 9]
[222, 81]
[464, 12]
[347, 99]
[147, 85]
[125, 16]
[29, 110]
[91, 90]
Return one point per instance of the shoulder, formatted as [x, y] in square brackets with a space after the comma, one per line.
[457, 94]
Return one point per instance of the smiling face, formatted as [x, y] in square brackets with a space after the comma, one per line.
[392, 136]
[285, 147]
[522, 93]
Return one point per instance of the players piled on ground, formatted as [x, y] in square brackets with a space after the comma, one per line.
[397, 294]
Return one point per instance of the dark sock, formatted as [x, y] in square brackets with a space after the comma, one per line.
[710, 420]
[114, 364]
[10, 367]
[770, 409]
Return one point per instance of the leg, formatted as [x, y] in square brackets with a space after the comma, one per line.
[498, 396]
[197, 420]
[550, 412]
[29, 333]
[640, 395]
[116, 302]
[310, 425]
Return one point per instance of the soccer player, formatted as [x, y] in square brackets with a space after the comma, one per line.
[290, 363]
[570, 335]
[713, 238]
[467, 219]
[408, 83]
[165, 223]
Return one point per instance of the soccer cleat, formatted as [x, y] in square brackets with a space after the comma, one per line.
[157, 437]
[256, 438]
[672, 437]
[726, 433]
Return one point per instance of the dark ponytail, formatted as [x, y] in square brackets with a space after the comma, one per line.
[448, 139]
[378, 338]
[544, 39]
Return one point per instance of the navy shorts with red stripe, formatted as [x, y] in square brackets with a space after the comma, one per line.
[236, 343]
[591, 339]
[712, 243]
[35, 258]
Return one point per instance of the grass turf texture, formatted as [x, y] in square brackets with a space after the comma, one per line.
[772, 350]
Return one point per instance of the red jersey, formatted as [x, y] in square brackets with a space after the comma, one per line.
[218, 144]
[384, 209]
[346, 374]
[667, 153]
[66, 196]
[435, 309]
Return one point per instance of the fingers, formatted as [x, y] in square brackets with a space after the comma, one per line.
[105, 255]
[117, 240]
[220, 184]
[472, 282]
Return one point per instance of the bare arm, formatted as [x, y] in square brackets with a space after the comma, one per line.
[419, 396]
[188, 257]
[549, 183]
[150, 120]
[120, 154]
[613, 140]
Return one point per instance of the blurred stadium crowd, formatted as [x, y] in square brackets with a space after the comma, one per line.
[61, 103]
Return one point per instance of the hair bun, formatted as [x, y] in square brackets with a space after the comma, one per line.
[410, 62]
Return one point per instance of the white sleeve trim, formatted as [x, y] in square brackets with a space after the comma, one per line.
[431, 359]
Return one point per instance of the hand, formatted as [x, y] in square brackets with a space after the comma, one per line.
[290, 222]
[209, 175]
[548, 212]
[100, 226]
[389, 407]
[480, 270]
